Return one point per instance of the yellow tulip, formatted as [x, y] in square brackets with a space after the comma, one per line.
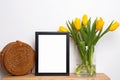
[99, 24]
[85, 19]
[77, 23]
[63, 29]
[114, 26]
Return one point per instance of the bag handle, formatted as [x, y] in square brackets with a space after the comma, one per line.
[19, 43]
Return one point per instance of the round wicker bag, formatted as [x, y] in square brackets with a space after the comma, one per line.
[18, 58]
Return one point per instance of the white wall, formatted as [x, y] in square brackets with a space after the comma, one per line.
[19, 19]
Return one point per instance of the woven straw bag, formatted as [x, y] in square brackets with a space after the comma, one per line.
[18, 58]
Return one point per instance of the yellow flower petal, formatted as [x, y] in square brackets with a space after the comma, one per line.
[99, 24]
[85, 19]
[63, 29]
[77, 23]
[114, 26]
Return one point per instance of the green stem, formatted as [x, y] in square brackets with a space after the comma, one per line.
[80, 53]
[91, 54]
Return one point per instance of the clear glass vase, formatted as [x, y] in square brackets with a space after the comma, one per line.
[87, 68]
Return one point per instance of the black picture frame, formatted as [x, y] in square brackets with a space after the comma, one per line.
[52, 53]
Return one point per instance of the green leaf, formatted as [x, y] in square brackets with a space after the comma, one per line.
[68, 27]
[83, 47]
[88, 26]
[84, 35]
[96, 38]
[93, 28]
[92, 33]
[71, 30]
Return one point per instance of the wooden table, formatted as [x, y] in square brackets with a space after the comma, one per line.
[99, 76]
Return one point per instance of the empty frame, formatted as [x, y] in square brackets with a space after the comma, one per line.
[52, 54]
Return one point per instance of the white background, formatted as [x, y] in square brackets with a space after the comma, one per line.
[52, 54]
[19, 19]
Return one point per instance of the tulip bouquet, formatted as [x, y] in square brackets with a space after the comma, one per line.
[85, 35]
